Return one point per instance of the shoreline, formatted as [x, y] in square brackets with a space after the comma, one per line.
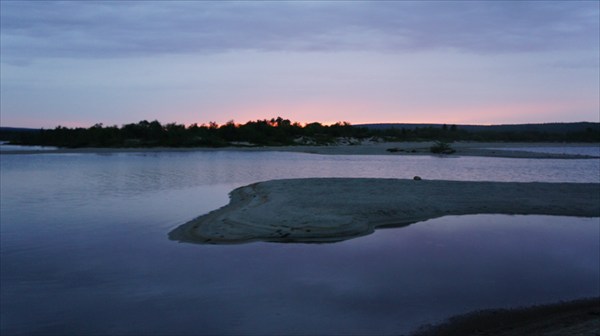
[482, 149]
[326, 210]
[578, 317]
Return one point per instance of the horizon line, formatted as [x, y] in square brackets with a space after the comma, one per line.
[303, 124]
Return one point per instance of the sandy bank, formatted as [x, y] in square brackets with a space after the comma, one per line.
[581, 317]
[485, 149]
[399, 148]
[335, 209]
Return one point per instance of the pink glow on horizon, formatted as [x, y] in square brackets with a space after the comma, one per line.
[356, 113]
[328, 113]
[520, 113]
[44, 123]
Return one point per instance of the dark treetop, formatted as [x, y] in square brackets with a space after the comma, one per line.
[283, 132]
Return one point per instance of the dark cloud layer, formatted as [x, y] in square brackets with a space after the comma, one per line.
[122, 29]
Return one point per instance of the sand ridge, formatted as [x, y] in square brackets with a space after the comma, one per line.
[515, 150]
[333, 209]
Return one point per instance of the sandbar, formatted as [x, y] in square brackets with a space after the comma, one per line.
[516, 150]
[323, 210]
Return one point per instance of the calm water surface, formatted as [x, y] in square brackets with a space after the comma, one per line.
[84, 249]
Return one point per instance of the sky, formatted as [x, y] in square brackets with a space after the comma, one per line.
[77, 63]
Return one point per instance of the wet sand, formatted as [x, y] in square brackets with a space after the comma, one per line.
[580, 317]
[320, 210]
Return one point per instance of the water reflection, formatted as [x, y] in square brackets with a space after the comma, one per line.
[83, 249]
[390, 282]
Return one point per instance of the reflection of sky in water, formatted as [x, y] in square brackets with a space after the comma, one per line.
[391, 281]
[84, 249]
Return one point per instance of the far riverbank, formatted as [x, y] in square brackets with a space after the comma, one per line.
[482, 149]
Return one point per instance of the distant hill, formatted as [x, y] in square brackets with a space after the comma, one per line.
[18, 129]
[278, 132]
[555, 127]
[560, 128]
[13, 133]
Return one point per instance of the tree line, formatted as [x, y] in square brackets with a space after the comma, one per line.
[273, 132]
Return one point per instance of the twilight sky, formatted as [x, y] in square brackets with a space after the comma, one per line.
[79, 63]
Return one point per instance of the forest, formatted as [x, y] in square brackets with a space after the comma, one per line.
[280, 132]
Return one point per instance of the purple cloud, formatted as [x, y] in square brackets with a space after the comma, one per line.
[123, 29]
